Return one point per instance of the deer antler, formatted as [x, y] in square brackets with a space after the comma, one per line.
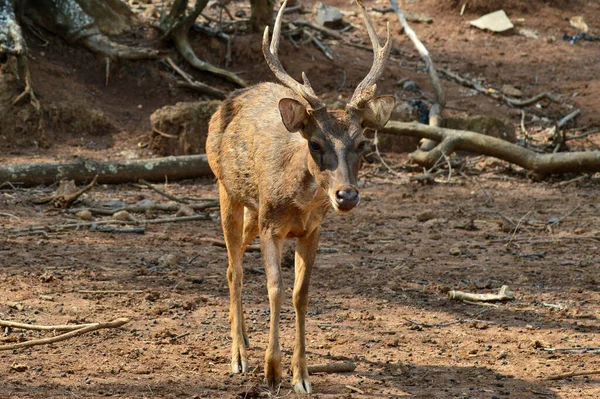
[366, 89]
[270, 53]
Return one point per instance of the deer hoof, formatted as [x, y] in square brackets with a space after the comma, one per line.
[303, 386]
[239, 367]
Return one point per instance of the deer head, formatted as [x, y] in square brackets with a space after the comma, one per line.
[335, 139]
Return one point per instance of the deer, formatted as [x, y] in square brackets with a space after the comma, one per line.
[282, 161]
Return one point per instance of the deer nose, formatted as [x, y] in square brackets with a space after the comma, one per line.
[346, 198]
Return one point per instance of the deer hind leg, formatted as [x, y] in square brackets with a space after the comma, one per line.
[306, 251]
[270, 246]
[250, 232]
[232, 221]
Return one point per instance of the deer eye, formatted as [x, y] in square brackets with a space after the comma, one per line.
[314, 146]
[361, 146]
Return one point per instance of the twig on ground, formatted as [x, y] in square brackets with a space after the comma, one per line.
[557, 221]
[74, 333]
[221, 244]
[111, 291]
[111, 229]
[459, 321]
[75, 226]
[354, 389]
[375, 141]
[503, 295]
[569, 375]
[163, 193]
[582, 349]
[567, 118]
[345, 367]
[60, 200]
[151, 207]
[550, 240]
[517, 227]
[194, 84]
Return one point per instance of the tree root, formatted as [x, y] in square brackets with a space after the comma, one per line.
[176, 26]
[23, 69]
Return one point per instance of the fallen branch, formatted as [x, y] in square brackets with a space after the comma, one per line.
[460, 140]
[221, 244]
[110, 172]
[449, 323]
[161, 192]
[346, 367]
[75, 226]
[496, 94]
[503, 295]
[149, 207]
[74, 333]
[582, 349]
[62, 199]
[569, 375]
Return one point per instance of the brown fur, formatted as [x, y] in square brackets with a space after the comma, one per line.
[272, 184]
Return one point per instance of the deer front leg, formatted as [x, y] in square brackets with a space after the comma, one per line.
[271, 252]
[233, 225]
[306, 251]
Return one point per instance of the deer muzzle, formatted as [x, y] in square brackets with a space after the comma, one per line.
[346, 198]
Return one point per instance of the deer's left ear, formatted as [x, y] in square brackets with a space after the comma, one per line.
[377, 112]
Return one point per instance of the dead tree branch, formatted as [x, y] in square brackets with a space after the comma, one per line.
[331, 368]
[86, 328]
[503, 295]
[440, 99]
[569, 375]
[112, 172]
[460, 140]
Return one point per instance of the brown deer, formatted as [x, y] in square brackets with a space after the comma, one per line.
[282, 160]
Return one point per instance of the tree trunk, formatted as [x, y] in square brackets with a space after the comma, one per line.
[262, 14]
[84, 170]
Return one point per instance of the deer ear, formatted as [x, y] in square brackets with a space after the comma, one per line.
[293, 114]
[377, 112]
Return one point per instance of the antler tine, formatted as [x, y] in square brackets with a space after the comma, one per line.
[270, 53]
[380, 54]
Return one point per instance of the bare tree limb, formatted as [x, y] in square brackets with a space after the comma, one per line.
[461, 140]
[331, 368]
[111, 172]
[50, 340]
[440, 99]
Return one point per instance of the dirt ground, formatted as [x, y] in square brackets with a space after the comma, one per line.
[379, 290]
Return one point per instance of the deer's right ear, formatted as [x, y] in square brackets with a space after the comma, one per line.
[293, 114]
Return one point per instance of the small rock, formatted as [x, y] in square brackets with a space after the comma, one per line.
[455, 251]
[184, 210]
[123, 216]
[511, 91]
[169, 260]
[409, 85]
[47, 298]
[46, 277]
[18, 367]
[502, 355]
[426, 215]
[579, 23]
[84, 215]
[328, 16]
[15, 305]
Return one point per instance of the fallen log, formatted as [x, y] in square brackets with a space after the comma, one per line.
[109, 172]
[460, 140]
